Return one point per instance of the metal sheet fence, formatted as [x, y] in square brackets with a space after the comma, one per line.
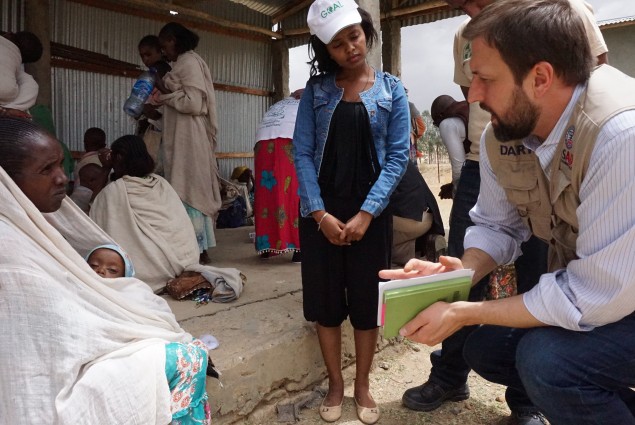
[84, 99]
[11, 15]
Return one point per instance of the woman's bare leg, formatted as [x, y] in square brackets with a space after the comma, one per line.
[331, 346]
[365, 344]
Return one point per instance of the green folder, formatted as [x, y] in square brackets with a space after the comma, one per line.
[401, 304]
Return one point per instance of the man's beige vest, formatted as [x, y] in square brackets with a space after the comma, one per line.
[548, 206]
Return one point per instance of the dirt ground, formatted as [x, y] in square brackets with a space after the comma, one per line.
[404, 364]
[436, 176]
[400, 366]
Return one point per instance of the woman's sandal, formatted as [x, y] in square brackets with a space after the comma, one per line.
[367, 415]
[331, 413]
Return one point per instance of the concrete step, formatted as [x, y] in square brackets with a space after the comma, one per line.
[267, 351]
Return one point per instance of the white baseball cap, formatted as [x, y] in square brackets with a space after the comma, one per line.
[328, 17]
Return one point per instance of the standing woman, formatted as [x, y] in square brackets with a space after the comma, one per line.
[351, 145]
[189, 143]
[276, 203]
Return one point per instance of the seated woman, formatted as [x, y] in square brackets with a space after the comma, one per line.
[146, 217]
[77, 348]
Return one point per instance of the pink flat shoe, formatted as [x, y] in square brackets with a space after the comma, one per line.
[367, 415]
[331, 413]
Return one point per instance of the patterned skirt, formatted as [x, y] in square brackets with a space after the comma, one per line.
[186, 370]
[276, 203]
[203, 228]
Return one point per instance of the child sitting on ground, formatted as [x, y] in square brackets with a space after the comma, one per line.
[110, 261]
[92, 170]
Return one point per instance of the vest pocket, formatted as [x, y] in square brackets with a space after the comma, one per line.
[521, 184]
[523, 189]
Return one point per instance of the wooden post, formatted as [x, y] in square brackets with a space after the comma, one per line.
[372, 7]
[280, 69]
[37, 20]
[391, 46]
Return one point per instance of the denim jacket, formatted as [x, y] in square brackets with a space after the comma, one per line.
[389, 116]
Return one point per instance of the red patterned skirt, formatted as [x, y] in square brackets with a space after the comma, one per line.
[276, 201]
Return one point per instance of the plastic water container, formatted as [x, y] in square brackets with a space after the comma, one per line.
[141, 91]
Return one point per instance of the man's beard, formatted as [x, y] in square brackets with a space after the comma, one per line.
[519, 121]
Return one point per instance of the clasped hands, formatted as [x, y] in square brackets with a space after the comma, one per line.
[440, 320]
[342, 234]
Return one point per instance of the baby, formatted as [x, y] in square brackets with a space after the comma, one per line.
[110, 261]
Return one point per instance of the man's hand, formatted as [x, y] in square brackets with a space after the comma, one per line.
[417, 268]
[440, 320]
[434, 324]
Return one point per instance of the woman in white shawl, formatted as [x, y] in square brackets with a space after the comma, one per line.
[77, 348]
[144, 215]
[189, 132]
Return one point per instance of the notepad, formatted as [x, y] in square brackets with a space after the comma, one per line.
[401, 300]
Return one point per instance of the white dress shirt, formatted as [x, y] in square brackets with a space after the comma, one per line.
[452, 131]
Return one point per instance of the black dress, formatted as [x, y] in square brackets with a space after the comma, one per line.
[341, 281]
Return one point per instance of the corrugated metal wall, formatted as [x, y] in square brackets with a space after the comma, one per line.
[11, 15]
[82, 99]
[297, 21]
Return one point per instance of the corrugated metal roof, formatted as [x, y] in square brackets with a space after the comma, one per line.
[430, 17]
[408, 12]
[267, 7]
[275, 7]
[235, 13]
[628, 20]
[260, 14]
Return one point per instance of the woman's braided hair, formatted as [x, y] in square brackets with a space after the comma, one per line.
[135, 159]
[16, 135]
